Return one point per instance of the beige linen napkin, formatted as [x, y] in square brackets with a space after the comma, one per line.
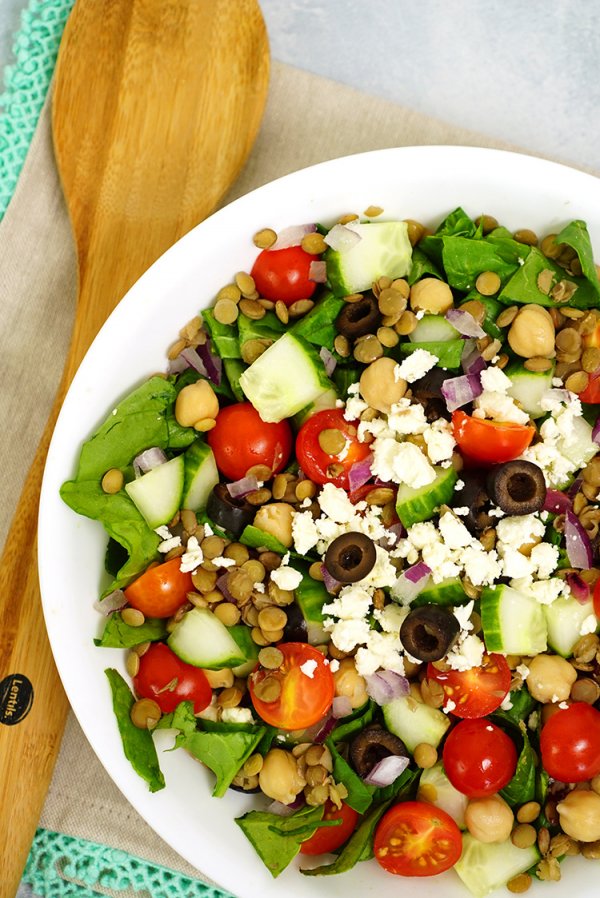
[308, 120]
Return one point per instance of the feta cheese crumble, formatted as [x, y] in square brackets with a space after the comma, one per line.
[415, 365]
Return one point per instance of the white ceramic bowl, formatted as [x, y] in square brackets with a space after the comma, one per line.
[414, 182]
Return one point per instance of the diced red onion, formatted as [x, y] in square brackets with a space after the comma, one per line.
[329, 360]
[341, 706]
[147, 460]
[282, 810]
[341, 239]
[213, 364]
[177, 365]
[458, 391]
[223, 588]
[596, 431]
[411, 582]
[397, 530]
[575, 487]
[243, 486]
[386, 771]
[330, 582]
[292, 236]
[325, 729]
[580, 590]
[360, 473]
[472, 361]
[317, 271]
[464, 323]
[579, 548]
[556, 502]
[384, 686]
[114, 601]
[193, 360]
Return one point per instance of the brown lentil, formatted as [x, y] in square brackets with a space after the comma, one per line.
[225, 311]
[176, 348]
[577, 382]
[253, 765]
[342, 346]
[415, 230]
[487, 223]
[314, 244]
[132, 617]
[270, 560]
[537, 363]
[252, 309]
[380, 496]
[563, 291]
[543, 839]
[264, 238]
[425, 755]
[526, 236]
[305, 489]
[281, 310]
[300, 307]
[373, 211]
[524, 835]
[141, 649]
[204, 580]
[251, 350]
[488, 283]
[590, 359]
[145, 714]
[268, 689]
[432, 693]
[230, 698]
[230, 291]
[245, 283]
[237, 552]
[387, 336]
[529, 812]
[353, 297]
[349, 216]
[270, 657]
[489, 351]
[591, 850]
[585, 690]
[406, 323]
[550, 248]
[519, 883]
[545, 279]
[258, 497]
[240, 585]
[548, 869]
[220, 679]
[367, 349]
[132, 663]
[113, 481]
[272, 618]
[316, 571]
[475, 308]
[507, 316]
[391, 302]
[332, 441]
[591, 472]
[568, 340]
[228, 613]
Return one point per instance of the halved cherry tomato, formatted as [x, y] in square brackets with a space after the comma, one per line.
[306, 688]
[478, 691]
[160, 590]
[479, 758]
[490, 442]
[570, 743]
[316, 463]
[168, 680]
[241, 439]
[591, 393]
[417, 839]
[330, 838]
[284, 274]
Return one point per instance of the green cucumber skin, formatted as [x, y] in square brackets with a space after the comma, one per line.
[433, 329]
[513, 623]
[384, 249]
[415, 722]
[200, 476]
[414, 506]
[484, 867]
[447, 593]
[564, 618]
[157, 494]
[200, 639]
[528, 387]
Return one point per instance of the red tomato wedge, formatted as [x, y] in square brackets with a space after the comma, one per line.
[570, 743]
[490, 442]
[306, 688]
[284, 274]
[160, 590]
[591, 393]
[319, 465]
[168, 680]
[241, 439]
[478, 691]
[417, 839]
[330, 838]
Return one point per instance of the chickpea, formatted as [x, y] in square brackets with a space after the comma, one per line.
[280, 777]
[489, 819]
[431, 295]
[550, 678]
[532, 332]
[195, 403]
[379, 387]
[579, 815]
[276, 519]
[348, 682]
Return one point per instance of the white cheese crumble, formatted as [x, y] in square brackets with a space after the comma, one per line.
[192, 557]
[589, 625]
[286, 578]
[401, 463]
[415, 366]
[308, 668]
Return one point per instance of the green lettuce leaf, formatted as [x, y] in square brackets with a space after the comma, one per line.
[119, 635]
[276, 839]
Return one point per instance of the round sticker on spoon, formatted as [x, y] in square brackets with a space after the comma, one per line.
[16, 699]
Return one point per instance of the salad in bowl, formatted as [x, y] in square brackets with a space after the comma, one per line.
[352, 552]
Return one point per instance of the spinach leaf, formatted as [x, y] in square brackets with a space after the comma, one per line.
[355, 724]
[449, 352]
[343, 377]
[358, 847]
[234, 368]
[360, 796]
[190, 376]
[464, 259]
[523, 285]
[255, 538]
[522, 705]
[401, 789]
[576, 235]
[276, 839]
[119, 635]
[422, 266]
[182, 719]
[224, 336]
[269, 327]
[223, 752]
[521, 788]
[318, 326]
[137, 744]
[458, 223]
[492, 310]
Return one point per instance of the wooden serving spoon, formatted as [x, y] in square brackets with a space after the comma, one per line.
[156, 106]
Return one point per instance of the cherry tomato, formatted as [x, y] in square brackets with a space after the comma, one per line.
[479, 758]
[314, 461]
[241, 439]
[168, 680]
[570, 743]
[417, 839]
[478, 691]
[306, 688]
[284, 274]
[592, 391]
[160, 590]
[490, 442]
[330, 838]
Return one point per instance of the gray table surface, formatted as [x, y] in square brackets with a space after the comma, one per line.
[527, 72]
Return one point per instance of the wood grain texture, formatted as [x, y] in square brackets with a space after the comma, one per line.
[156, 106]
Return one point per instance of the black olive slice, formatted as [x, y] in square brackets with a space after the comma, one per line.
[430, 385]
[350, 557]
[229, 513]
[473, 496]
[427, 633]
[359, 318]
[371, 746]
[517, 487]
[295, 629]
